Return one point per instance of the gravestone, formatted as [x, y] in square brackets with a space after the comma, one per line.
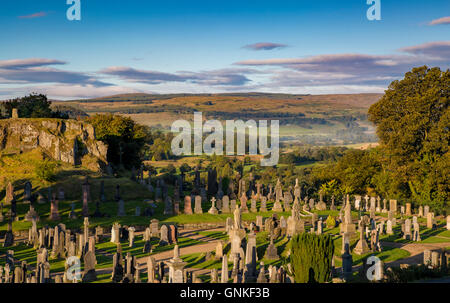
[154, 228]
[393, 206]
[430, 220]
[262, 274]
[271, 252]
[86, 197]
[427, 257]
[253, 208]
[31, 214]
[213, 210]
[89, 274]
[347, 262]
[426, 210]
[176, 267]
[389, 230]
[225, 204]
[297, 190]
[219, 250]
[164, 236]
[416, 232]
[408, 209]
[373, 203]
[361, 247]
[259, 222]
[131, 234]
[384, 210]
[27, 191]
[151, 265]
[224, 272]
[448, 222]
[72, 214]
[263, 207]
[378, 208]
[243, 200]
[198, 205]
[228, 224]
[391, 217]
[9, 198]
[250, 255]
[287, 200]
[407, 234]
[115, 233]
[173, 234]
[357, 202]
[54, 212]
[187, 205]
[232, 205]
[168, 206]
[121, 208]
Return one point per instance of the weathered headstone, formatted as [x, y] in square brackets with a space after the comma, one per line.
[408, 209]
[225, 204]
[263, 207]
[198, 205]
[430, 220]
[393, 206]
[164, 236]
[187, 205]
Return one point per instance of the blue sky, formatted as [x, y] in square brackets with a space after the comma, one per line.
[216, 46]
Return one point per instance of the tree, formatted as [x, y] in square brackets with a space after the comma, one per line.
[412, 120]
[125, 138]
[32, 106]
[311, 257]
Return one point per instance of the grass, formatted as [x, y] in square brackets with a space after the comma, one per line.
[388, 254]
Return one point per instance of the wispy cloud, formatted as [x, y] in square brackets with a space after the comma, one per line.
[439, 50]
[26, 63]
[265, 46]
[39, 70]
[215, 77]
[440, 21]
[351, 69]
[33, 16]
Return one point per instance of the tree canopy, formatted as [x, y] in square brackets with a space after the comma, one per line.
[413, 119]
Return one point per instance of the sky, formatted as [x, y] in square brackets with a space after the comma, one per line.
[300, 47]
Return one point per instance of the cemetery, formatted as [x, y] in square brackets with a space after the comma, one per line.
[146, 229]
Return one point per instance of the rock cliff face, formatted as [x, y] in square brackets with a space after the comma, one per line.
[69, 141]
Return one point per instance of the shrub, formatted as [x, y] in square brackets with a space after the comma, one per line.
[331, 222]
[311, 257]
[46, 170]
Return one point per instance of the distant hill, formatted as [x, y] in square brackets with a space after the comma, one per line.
[340, 118]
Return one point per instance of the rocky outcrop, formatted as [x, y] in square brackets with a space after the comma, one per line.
[69, 141]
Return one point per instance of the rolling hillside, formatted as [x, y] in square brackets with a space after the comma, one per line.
[313, 119]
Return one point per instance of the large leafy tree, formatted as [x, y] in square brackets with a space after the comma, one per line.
[125, 138]
[413, 120]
